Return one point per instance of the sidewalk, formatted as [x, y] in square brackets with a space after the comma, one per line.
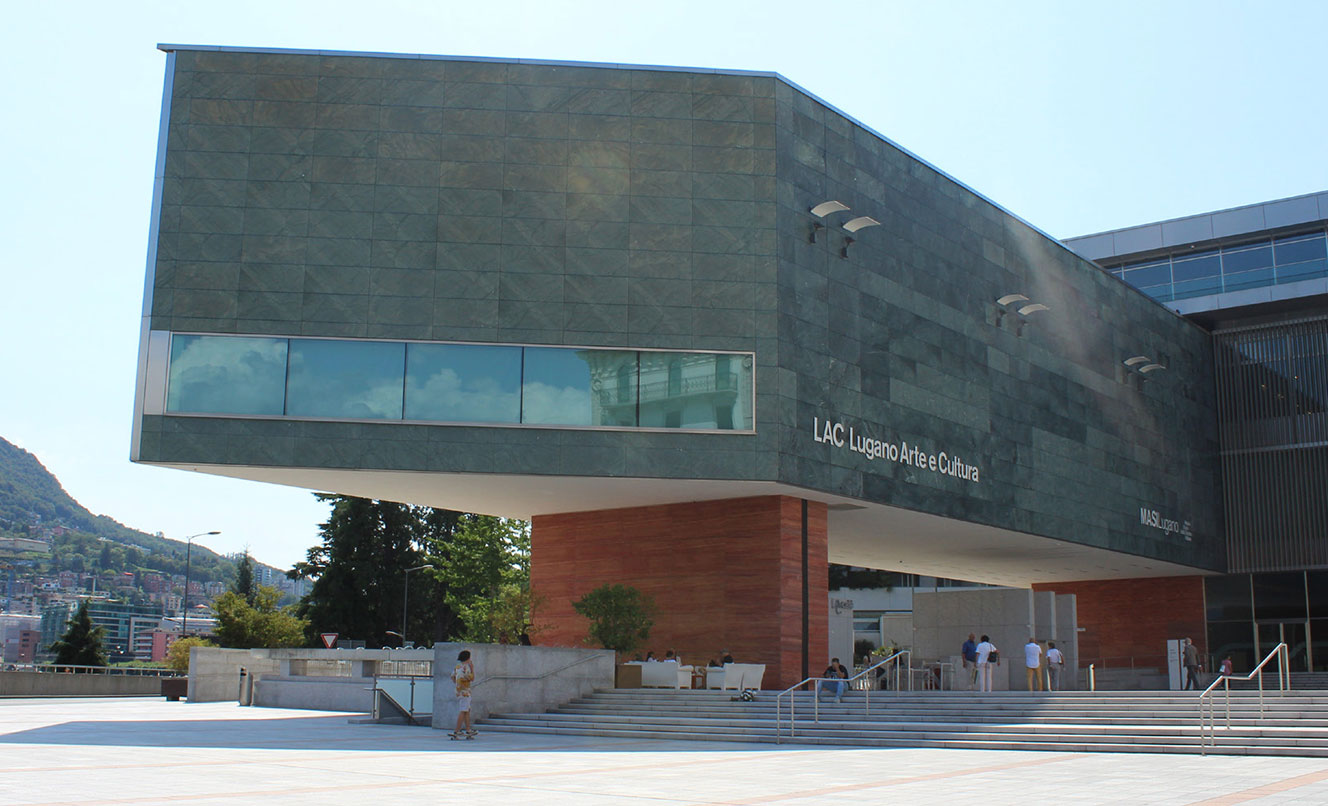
[148, 751]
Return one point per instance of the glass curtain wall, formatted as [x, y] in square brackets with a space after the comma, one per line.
[1250, 614]
[1270, 261]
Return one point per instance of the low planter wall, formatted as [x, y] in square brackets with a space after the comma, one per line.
[50, 684]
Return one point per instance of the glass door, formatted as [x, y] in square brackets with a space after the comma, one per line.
[1295, 634]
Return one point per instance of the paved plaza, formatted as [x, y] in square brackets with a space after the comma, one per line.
[132, 751]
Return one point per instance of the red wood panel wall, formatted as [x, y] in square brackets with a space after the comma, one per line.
[1130, 620]
[723, 574]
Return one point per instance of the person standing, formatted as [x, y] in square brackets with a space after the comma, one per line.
[988, 657]
[1033, 664]
[463, 674]
[970, 653]
[1190, 657]
[1055, 663]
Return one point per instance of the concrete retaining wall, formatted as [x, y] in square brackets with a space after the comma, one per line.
[214, 673]
[354, 694]
[316, 679]
[49, 684]
[515, 679]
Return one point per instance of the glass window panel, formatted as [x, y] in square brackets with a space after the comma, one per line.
[1317, 586]
[1247, 279]
[1295, 250]
[1279, 596]
[1246, 259]
[1192, 268]
[614, 386]
[463, 383]
[1228, 598]
[1293, 634]
[1319, 644]
[1153, 275]
[1144, 263]
[1307, 270]
[576, 387]
[1234, 640]
[1198, 288]
[227, 375]
[359, 380]
[1161, 292]
[690, 390]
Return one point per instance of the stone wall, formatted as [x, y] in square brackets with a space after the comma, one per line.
[516, 679]
[942, 620]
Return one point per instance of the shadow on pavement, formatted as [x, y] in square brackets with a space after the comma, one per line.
[333, 733]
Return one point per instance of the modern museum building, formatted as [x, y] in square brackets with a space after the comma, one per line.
[709, 335]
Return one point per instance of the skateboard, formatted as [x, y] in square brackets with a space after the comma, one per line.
[454, 735]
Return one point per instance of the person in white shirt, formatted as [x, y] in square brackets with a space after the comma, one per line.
[1055, 663]
[985, 650]
[1033, 664]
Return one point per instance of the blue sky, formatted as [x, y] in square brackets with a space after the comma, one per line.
[1078, 117]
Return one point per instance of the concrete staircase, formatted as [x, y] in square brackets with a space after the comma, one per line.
[1295, 724]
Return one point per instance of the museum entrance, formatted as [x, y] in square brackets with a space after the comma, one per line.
[1295, 634]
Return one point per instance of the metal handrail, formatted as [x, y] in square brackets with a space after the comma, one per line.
[539, 676]
[1283, 655]
[111, 671]
[816, 699]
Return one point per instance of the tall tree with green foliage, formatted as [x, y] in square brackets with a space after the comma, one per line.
[81, 644]
[358, 574]
[262, 624]
[477, 588]
[484, 567]
[620, 616]
[244, 579]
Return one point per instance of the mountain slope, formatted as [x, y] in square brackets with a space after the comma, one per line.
[33, 503]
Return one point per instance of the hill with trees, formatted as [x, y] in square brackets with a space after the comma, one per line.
[34, 505]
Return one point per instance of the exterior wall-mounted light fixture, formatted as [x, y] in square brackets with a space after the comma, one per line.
[1012, 304]
[822, 210]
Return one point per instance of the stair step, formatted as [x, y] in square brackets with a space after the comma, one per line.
[1294, 723]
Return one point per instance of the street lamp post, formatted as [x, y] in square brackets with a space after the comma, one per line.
[405, 598]
[188, 556]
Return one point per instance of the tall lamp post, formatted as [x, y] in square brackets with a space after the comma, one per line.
[188, 556]
[405, 598]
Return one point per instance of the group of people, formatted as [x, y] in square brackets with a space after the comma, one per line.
[981, 656]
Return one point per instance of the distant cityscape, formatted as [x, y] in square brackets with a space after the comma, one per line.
[55, 555]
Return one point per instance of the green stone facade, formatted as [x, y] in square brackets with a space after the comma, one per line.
[416, 198]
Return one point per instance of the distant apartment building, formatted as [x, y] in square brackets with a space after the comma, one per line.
[119, 621]
[18, 637]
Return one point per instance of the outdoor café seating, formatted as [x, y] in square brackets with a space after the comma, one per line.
[664, 674]
[736, 676]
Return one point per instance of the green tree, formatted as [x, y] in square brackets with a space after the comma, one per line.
[244, 626]
[475, 561]
[244, 579]
[81, 643]
[177, 657]
[620, 616]
[358, 573]
[506, 618]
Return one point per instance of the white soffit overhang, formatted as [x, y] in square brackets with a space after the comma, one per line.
[861, 533]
